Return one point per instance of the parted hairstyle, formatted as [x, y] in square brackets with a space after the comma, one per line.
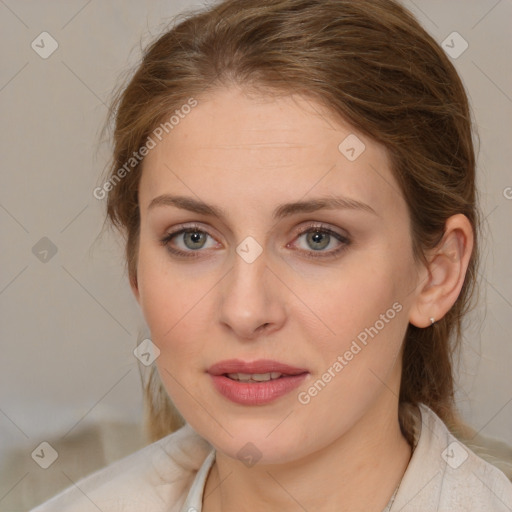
[369, 62]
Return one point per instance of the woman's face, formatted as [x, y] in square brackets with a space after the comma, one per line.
[274, 276]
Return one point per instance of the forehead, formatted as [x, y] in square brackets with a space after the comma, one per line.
[267, 146]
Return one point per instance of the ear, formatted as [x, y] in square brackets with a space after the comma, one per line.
[443, 279]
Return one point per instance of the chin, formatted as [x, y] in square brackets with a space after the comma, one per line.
[257, 442]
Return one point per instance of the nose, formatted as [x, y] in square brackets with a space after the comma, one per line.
[252, 299]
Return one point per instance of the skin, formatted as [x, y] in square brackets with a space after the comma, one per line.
[247, 154]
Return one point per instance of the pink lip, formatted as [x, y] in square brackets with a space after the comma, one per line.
[255, 393]
[259, 366]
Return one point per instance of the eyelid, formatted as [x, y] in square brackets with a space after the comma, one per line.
[192, 226]
[310, 225]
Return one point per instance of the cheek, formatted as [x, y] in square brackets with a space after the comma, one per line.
[164, 299]
[359, 352]
[352, 297]
[175, 302]
[362, 308]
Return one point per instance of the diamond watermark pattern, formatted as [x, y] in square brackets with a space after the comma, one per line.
[455, 455]
[146, 352]
[249, 249]
[45, 455]
[351, 147]
[44, 250]
[455, 45]
[249, 454]
[44, 45]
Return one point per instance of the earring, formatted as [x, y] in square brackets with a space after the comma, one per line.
[432, 321]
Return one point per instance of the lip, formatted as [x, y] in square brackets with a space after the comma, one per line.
[259, 366]
[259, 393]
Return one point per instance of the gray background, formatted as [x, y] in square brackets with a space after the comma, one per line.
[69, 324]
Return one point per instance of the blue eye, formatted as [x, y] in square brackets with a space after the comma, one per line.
[191, 239]
[319, 238]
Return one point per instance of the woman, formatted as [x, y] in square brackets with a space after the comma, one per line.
[296, 182]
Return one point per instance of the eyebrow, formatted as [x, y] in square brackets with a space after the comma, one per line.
[282, 211]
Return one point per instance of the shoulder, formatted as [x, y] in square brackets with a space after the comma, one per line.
[155, 478]
[445, 475]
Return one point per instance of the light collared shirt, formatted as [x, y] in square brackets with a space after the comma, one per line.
[169, 475]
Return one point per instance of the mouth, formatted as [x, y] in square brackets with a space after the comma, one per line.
[255, 377]
[255, 383]
[258, 371]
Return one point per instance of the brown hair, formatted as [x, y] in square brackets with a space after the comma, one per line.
[368, 61]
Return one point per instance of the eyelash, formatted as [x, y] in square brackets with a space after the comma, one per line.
[316, 228]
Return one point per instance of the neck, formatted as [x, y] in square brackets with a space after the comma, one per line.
[358, 471]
